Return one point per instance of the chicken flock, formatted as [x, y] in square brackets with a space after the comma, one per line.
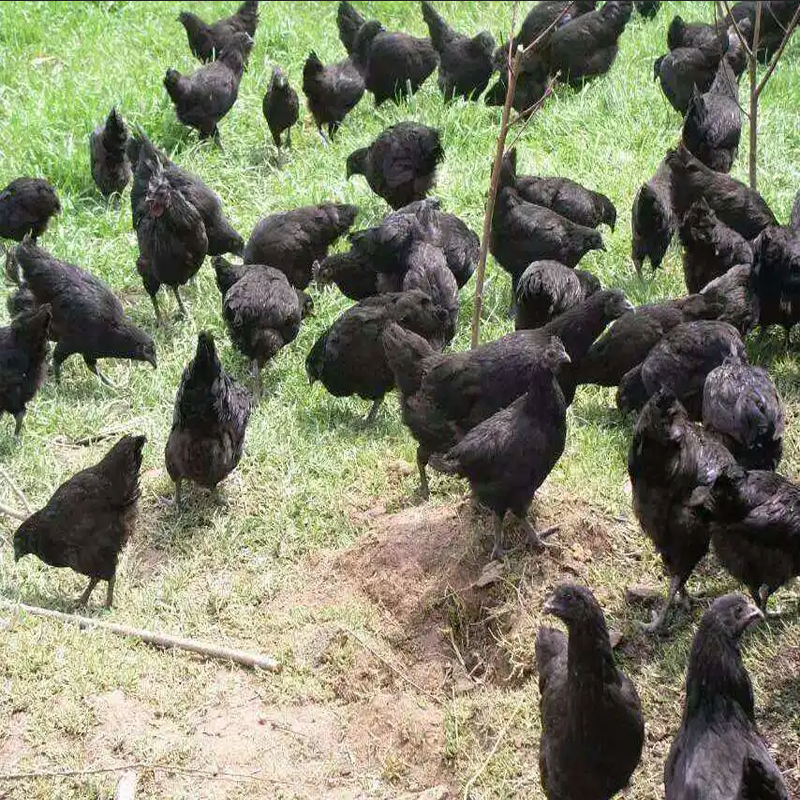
[708, 428]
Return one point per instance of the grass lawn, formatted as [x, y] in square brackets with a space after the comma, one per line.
[399, 673]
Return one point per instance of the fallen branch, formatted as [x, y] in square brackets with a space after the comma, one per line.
[127, 786]
[392, 667]
[10, 512]
[17, 491]
[490, 756]
[252, 660]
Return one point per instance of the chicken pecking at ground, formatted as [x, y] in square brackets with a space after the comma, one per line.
[208, 426]
[592, 723]
[88, 520]
[111, 167]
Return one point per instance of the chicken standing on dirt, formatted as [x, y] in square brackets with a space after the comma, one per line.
[172, 239]
[592, 723]
[26, 206]
[292, 241]
[718, 753]
[87, 317]
[741, 406]
[111, 168]
[669, 458]
[23, 355]
[88, 520]
[396, 64]
[208, 41]
[262, 310]
[349, 358]
[400, 165]
[507, 457]
[281, 108]
[203, 98]
[209, 423]
[465, 64]
[333, 91]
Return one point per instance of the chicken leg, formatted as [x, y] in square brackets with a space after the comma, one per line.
[92, 365]
[373, 412]
[19, 417]
[84, 598]
[537, 539]
[110, 591]
[256, 381]
[658, 622]
[422, 461]
[183, 312]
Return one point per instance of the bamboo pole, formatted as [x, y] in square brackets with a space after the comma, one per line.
[165, 640]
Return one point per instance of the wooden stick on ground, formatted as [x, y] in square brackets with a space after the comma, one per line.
[208, 650]
[10, 512]
[17, 491]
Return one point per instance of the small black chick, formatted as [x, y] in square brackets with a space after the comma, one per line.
[262, 311]
[87, 317]
[88, 520]
[713, 124]
[592, 723]
[755, 528]
[507, 457]
[711, 248]
[222, 238]
[348, 358]
[718, 753]
[523, 232]
[547, 289]
[23, 356]
[208, 41]
[465, 65]
[587, 46]
[281, 107]
[653, 221]
[203, 98]
[26, 206]
[735, 204]
[209, 422]
[111, 168]
[669, 458]
[349, 23]
[292, 241]
[396, 64]
[566, 197]
[741, 406]
[681, 70]
[680, 363]
[172, 239]
[333, 91]
[400, 165]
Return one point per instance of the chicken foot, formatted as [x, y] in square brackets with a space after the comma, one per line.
[93, 368]
[84, 598]
[373, 412]
[657, 622]
[19, 418]
[183, 312]
[422, 462]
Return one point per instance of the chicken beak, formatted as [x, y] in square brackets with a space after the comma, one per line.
[551, 607]
[153, 362]
[628, 306]
[752, 615]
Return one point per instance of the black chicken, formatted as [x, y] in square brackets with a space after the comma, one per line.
[111, 167]
[400, 165]
[735, 204]
[333, 91]
[26, 206]
[713, 124]
[209, 422]
[87, 317]
[172, 238]
[587, 46]
[88, 520]
[351, 271]
[669, 458]
[681, 70]
[292, 241]
[465, 64]
[647, 8]
[23, 355]
[203, 98]
[208, 41]
[262, 311]
[349, 23]
[397, 64]
[718, 753]
[653, 221]
[507, 457]
[281, 107]
[547, 289]
[735, 297]
[531, 88]
[741, 406]
[592, 723]
[692, 34]
[680, 363]
[776, 17]
[711, 248]
[222, 238]
[348, 358]
[566, 197]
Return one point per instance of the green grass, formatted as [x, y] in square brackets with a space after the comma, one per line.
[265, 573]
